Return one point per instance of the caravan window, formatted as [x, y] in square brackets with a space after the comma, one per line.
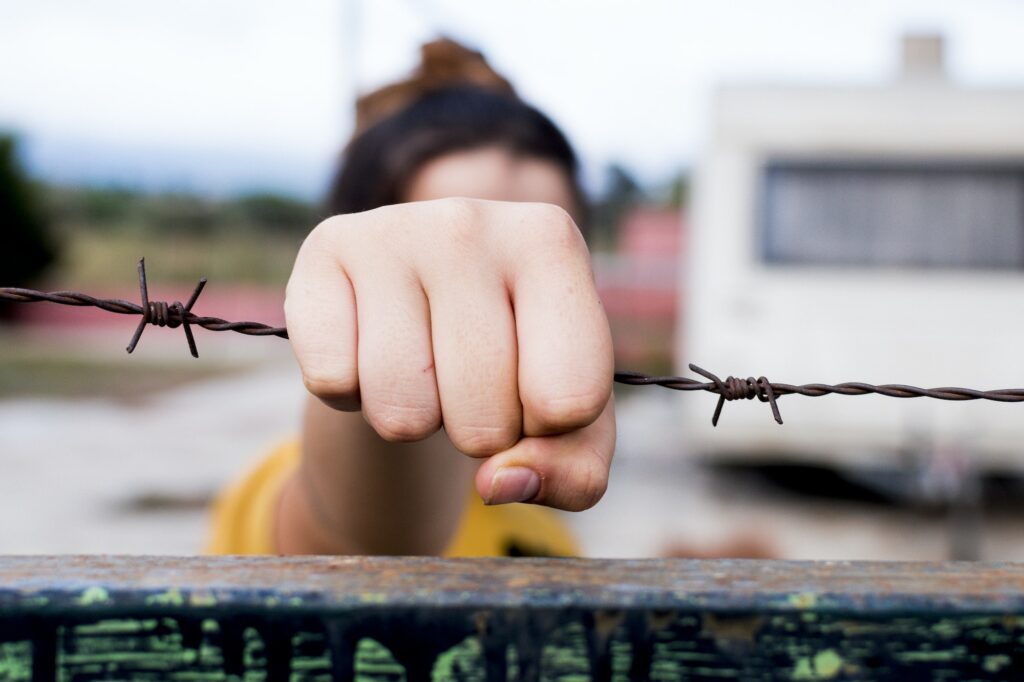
[893, 214]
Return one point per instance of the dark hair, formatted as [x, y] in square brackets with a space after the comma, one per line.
[379, 164]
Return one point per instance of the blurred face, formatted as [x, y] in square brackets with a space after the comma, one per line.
[493, 173]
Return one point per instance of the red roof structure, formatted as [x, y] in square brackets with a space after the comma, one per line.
[639, 285]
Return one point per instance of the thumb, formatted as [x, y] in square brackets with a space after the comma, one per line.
[567, 471]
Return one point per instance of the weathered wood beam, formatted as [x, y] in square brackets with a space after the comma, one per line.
[85, 618]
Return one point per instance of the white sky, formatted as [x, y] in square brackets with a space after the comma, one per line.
[238, 93]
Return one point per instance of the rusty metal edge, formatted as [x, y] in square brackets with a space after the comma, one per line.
[146, 584]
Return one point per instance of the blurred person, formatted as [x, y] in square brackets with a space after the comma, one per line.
[447, 309]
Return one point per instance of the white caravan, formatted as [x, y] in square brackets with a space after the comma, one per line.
[868, 234]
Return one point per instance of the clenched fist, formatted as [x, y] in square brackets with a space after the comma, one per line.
[478, 317]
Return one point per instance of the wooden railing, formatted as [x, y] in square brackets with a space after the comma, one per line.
[322, 618]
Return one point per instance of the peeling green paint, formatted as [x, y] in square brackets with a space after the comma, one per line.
[947, 628]
[15, 661]
[452, 664]
[94, 595]
[803, 600]
[803, 670]
[827, 663]
[994, 664]
[34, 601]
[373, 597]
[171, 597]
[928, 656]
[824, 665]
[201, 600]
[797, 635]
[373, 658]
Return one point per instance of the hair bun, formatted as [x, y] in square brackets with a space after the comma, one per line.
[443, 63]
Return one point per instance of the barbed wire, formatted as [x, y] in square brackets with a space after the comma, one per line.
[157, 313]
[176, 314]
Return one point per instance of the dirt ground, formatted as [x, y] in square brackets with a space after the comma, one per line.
[134, 475]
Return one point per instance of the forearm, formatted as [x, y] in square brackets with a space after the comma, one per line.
[355, 493]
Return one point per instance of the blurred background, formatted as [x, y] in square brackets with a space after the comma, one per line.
[811, 191]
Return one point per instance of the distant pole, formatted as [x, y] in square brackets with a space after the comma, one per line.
[351, 23]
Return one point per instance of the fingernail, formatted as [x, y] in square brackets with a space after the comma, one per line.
[513, 484]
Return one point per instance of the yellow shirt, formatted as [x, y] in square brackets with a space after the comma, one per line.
[243, 519]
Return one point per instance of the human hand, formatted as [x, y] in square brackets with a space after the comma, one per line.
[480, 316]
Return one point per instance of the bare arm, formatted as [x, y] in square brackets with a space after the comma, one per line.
[356, 493]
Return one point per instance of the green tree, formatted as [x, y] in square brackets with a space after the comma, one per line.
[26, 247]
[278, 213]
[677, 194]
[622, 192]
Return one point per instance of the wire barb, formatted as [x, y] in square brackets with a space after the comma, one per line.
[740, 389]
[161, 314]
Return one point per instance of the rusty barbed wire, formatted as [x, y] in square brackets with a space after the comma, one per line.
[769, 392]
[176, 314]
[157, 313]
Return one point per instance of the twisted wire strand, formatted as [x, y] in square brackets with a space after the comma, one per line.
[114, 305]
[176, 314]
[1005, 395]
[766, 391]
[153, 312]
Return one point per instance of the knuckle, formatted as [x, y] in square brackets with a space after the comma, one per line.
[569, 409]
[460, 209]
[557, 227]
[590, 482]
[482, 441]
[320, 244]
[460, 218]
[335, 236]
[330, 385]
[402, 423]
[325, 231]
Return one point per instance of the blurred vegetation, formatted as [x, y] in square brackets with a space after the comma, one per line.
[94, 235]
[624, 192]
[677, 191]
[120, 211]
[27, 246]
[101, 233]
[249, 239]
